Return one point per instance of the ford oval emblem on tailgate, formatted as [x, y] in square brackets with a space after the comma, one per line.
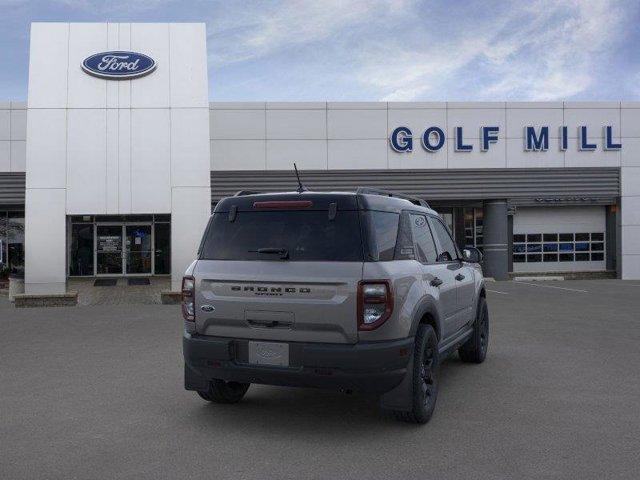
[207, 308]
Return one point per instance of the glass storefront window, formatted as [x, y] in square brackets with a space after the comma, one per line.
[109, 249]
[4, 266]
[473, 227]
[81, 252]
[15, 242]
[138, 248]
[117, 245]
[163, 248]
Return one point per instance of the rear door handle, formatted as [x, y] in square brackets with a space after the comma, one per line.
[459, 277]
[436, 282]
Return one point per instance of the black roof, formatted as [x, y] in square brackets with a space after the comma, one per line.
[359, 200]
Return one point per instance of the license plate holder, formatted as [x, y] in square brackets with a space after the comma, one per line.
[269, 353]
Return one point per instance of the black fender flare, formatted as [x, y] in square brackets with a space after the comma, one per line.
[427, 305]
[401, 397]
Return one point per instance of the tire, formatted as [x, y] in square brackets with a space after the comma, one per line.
[475, 349]
[425, 377]
[224, 392]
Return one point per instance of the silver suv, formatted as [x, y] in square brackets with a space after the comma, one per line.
[361, 291]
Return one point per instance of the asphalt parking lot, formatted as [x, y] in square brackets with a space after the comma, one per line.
[96, 392]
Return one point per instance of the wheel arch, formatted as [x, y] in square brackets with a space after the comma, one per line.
[427, 313]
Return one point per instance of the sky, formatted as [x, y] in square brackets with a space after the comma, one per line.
[377, 50]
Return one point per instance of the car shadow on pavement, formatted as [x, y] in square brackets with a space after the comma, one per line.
[298, 411]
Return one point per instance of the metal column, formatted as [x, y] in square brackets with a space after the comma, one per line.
[496, 254]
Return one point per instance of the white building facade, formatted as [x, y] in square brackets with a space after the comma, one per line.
[118, 176]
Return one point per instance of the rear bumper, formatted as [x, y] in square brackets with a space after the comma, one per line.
[375, 367]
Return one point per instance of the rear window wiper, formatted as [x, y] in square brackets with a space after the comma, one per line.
[283, 252]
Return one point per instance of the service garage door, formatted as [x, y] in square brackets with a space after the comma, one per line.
[559, 239]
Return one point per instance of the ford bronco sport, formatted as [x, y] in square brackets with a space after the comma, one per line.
[361, 291]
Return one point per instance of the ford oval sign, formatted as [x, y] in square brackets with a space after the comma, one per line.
[118, 65]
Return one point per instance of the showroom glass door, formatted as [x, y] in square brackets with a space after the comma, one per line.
[109, 250]
[138, 249]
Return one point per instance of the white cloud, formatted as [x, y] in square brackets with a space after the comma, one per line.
[407, 50]
[261, 29]
[546, 51]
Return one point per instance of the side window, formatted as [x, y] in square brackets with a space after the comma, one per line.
[447, 250]
[384, 232]
[425, 246]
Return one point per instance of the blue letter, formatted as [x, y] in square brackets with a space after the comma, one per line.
[608, 143]
[534, 142]
[583, 140]
[460, 146]
[401, 140]
[489, 135]
[426, 141]
[564, 138]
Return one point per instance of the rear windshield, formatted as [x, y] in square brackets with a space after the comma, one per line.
[277, 235]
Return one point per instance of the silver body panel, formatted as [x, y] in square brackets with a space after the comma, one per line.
[278, 300]
[317, 301]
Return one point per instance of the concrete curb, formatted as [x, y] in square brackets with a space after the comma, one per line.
[538, 279]
[170, 298]
[69, 299]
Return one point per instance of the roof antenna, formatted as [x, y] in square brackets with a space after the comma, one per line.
[301, 188]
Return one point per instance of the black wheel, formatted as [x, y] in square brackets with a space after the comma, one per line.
[475, 349]
[224, 392]
[425, 377]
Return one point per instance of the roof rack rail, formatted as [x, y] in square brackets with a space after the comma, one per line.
[386, 193]
[242, 193]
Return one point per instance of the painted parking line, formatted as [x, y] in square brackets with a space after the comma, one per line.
[496, 291]
[551, 286]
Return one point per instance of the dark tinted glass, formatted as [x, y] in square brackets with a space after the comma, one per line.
[581, 247]
[534, 237]
[447, 251]
[305, 235]
[81, 218]
[597, 247]
[383, 227]
[566, 237]
[534, 258]
[423, 239]
[581, 237]
[15, 241]
[519, 258]
[163, 248]
[550, 237]
[566, 247]
[519, 237]
[598, 237]
[550, 257]
[597, 257]
[582, 257]
[81, 250]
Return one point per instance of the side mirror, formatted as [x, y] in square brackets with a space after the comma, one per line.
[472, 255]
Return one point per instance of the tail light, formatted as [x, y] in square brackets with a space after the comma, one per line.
[375, 303]
[189, 298]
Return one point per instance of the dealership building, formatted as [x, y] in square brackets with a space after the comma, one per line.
[113, 164]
